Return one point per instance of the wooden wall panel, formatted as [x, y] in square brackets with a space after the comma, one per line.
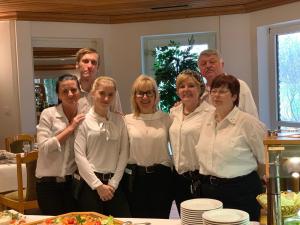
[124, 11]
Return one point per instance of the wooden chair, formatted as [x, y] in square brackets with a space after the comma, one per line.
[14, 143]
[23, 199]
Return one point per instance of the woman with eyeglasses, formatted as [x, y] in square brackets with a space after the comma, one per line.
[101, 153]
[229, 150]
[184, 134]
[148, 175]
[55, 137]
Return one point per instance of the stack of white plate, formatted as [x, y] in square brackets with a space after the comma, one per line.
[226, 217]
[192, 210]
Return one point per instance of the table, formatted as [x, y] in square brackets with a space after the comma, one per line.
[31, 218]
[8, 176]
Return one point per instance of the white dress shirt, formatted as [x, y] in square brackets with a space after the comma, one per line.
[54, 159]
[246, 101]
[232, 147]
[101, 146]
[184, 134]
[148, 138]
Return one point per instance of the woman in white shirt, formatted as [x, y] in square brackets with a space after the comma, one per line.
[229, 150]
[55, 136]
[184, 134]
[101, 153]
[148, 176]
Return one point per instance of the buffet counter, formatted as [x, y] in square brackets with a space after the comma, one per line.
[31, 218]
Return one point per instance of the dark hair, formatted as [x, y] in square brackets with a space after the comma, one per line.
[64, 77]
[230, 82]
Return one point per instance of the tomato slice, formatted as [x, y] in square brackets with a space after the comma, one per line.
[49, 221]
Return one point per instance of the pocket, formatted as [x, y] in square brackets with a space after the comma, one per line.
[129, 174]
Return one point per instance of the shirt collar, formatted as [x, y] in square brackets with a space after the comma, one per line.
[233, 115]
[204, 106]
[97, 116]
[59, 112]
[151, 116]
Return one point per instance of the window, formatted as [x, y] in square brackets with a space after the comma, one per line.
[203, 41]
[285, 76]
[171, 54]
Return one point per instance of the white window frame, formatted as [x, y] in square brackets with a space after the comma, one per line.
[274, 31]
[149, 43]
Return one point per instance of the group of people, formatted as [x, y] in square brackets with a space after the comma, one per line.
[92, 158]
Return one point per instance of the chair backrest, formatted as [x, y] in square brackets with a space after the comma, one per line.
[29, 159]
[17, 200]
[15, 143]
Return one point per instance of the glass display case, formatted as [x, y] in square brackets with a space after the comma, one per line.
[282, 171]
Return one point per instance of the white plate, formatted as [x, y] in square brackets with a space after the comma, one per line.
[201, 204]
[226, 216]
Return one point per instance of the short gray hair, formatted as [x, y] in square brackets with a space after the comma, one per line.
[209, 52]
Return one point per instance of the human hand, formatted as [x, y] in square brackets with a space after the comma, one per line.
[76, 121]
[176, 104]
[105, 192]
[264, 179]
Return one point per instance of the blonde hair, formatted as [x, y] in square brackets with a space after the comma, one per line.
[143, 81]
[195, 76]
[83, 51]
[103, 79]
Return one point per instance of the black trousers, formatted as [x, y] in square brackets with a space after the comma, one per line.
[151, 192]
[181, 189]
[55, 198]
[89, 200]
[236, 193]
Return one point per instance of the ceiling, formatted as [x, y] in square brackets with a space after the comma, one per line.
[124, 11]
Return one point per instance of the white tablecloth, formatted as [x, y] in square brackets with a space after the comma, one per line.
[32, 218]
[8, 177]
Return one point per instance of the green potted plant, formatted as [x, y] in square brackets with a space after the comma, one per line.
[168, 63]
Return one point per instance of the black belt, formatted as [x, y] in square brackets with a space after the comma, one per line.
[66, 178]
[142, 170]
[104, 176]
[217, 180]
[191, 175]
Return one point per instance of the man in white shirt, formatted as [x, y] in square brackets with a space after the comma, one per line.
[88, 64]
[211, 64]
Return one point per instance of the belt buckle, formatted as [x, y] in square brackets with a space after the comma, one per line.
[149, 169]
[60, 179]
[106, 176]
[212, 179]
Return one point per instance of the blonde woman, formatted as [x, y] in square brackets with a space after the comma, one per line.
[184, 134]
[149, 193]
[101, 153]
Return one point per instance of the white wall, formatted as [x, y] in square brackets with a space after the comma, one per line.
[235, 45]
[9, 98]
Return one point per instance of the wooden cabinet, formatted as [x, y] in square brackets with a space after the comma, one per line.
[282, 167]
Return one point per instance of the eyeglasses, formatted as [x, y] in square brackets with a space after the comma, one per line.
[141, 94]
[222, 91]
